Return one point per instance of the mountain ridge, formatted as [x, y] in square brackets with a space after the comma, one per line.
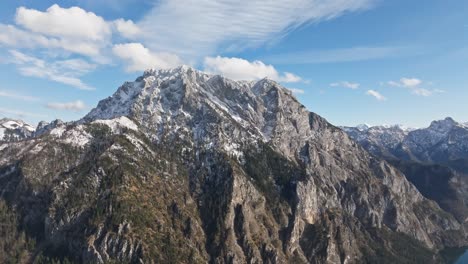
[184, 166]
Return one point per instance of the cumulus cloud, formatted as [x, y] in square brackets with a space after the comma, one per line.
[346, 84]
[72, 30]
[414, 85]
[75, 106]
[376, 95]
[127, 28]
[240, 69]
[65, 72]
[72, 22]
[139, 58]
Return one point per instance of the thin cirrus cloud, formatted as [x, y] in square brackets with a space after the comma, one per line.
[16, 96]
[75, 106]
[296, 91]
[21, 114]
[341, 55]
[63, 71]
[254, 22]
[414, 85]
[346, 84]
[240, 69]
[376, 95]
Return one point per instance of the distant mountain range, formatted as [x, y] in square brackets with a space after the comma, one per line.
[442, 141]
[181, 166]
[435, 158]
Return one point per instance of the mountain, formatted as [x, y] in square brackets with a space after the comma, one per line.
[443, 141]
[434, 159]
[186, 167]
[14, 130]
[379, 140]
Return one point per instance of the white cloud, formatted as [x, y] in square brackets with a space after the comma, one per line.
[140, 58]
[72, 106]
[240, 69]
[13, 95]
[406, 82]
[376, 95]
[127, 28]
[73, 22]
[425, 92]
[410, 82]
[66, 72]
[21, 114]
[346, 84]
[12, 36]
[296, 91]
[185, 28]
[414, 85]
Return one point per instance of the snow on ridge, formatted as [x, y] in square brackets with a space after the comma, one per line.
[116, 124]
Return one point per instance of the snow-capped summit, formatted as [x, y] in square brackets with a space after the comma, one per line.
[167, 102]
[14, 130]
[363, 127]
[443, 126]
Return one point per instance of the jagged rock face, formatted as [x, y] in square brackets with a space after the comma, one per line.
[14, 130]
[184, 166]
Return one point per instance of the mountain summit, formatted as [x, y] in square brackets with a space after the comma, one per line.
[188, 167]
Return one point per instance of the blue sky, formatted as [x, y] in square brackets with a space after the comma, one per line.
[351, 61]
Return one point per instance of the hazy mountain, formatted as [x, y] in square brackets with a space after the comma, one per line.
[188, 167]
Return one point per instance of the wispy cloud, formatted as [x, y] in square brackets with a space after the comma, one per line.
[414, 85]
[240, 69]
[21, 114]
[346, 84]
[65, 71]
[75, 106]
[296, 91]
[205, 27]
[376, 95]
[13, 95]
[341, 55]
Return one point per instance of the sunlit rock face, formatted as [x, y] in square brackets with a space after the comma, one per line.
[189, 167]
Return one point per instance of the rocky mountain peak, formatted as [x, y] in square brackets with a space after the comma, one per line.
[444, 125]
[14, 130]
[161, 100]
